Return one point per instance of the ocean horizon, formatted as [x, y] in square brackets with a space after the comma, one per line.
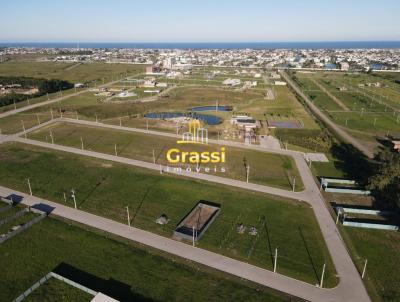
[213, 45]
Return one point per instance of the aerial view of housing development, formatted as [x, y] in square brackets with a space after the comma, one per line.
[200, 151]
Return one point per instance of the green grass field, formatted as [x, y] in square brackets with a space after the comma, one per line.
[373, 111]
[381, 249]
[123, 270]
[91, 73]
[106, 188]
[56, 290]
[266, 168]
[87, 72]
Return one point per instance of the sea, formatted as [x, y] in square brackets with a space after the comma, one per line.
[213, 45]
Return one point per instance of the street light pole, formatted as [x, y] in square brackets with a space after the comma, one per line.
[364, 269]
[322, 277]
[73, 197]
[23, 127]
[51, 136]
[129, 219]
[193, 241]
[275, 259]
[29, 185]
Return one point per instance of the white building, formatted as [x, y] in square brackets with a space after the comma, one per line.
[231, 82]
[169, 62]
[344, 66]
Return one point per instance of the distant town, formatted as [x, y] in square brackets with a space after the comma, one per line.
[180, 59]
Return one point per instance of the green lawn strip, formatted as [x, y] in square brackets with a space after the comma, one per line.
[128, 271]
[106, 188]
[266, 168]
[56, 290]
[380, 248]
[15, 222]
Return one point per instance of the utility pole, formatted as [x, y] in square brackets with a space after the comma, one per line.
[77, 116]
[294, 183]
[115, 150]
[15, 106]
[81, 143]
[38, 119]
[129, 219]
[65, 198]
[51, 113]
[120, 121]
[322, 277]
[96, 119]
[147, 125]
[154, 157]
[247, 173]
[275, 259]
[364, 269]
[29, 186]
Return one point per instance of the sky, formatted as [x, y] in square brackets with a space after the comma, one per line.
[198, 21]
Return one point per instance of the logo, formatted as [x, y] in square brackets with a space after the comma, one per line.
[197, 134]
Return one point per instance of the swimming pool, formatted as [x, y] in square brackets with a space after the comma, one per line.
[211, 108]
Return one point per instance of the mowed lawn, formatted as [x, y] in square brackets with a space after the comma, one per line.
[106, 188]
[122, 270]
[265, 168]
[381, 249]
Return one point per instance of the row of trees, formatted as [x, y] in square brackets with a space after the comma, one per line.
[43, 85]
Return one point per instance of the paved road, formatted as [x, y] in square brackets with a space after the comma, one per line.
[343, 134]
[217, 261]
[350, 287]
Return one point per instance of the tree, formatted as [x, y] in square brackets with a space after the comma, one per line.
[386, 179]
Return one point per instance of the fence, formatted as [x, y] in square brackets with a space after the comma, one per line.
[22, 228]
[365, 223]
[15, 216]
[56, 276]
[326, 181]
[378, 226]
